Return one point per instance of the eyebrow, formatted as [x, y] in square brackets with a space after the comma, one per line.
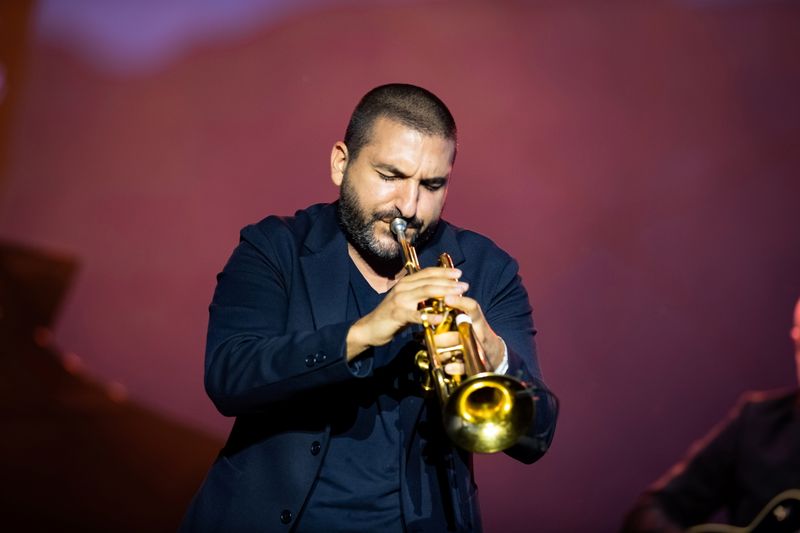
[391, 169]
[394, 171]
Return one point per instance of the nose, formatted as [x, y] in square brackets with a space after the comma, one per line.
[407, 198]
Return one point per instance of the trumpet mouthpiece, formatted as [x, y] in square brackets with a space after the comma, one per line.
[399, 226]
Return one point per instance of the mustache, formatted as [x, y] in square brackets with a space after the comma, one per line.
[388, 216]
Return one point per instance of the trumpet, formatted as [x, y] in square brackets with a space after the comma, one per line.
[482, 411]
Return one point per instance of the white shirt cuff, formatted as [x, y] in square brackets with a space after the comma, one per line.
[502, 368]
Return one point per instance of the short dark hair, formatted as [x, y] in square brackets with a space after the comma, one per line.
[410, 105]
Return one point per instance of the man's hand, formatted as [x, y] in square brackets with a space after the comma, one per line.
[488, 341]
[399, 308]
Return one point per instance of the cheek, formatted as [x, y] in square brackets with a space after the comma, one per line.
[372, 197]
[431, 206]
[380, 194]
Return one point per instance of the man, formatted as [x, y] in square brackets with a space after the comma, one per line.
[311, 346]
[740, 467]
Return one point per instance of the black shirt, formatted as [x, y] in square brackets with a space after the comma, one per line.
[368, 429]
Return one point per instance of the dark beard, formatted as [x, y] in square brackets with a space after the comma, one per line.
[359, 228]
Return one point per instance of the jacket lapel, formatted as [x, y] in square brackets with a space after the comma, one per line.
[326, 270]
[444, 240]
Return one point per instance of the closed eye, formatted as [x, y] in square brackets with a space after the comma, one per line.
[434, 184]
[388, 177]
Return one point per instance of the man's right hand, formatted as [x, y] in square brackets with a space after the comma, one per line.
[399, 309]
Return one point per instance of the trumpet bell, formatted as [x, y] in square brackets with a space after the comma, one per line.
[488, 413]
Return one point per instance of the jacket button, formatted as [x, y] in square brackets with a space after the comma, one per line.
[311, 361]
[320, 357]
[315, 447]
[286, 516]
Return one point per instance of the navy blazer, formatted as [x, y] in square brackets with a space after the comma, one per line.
[275, 358]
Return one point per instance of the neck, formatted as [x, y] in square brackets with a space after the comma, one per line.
[380, 279]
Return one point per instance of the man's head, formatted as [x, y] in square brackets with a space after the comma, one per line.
[412, 106]
[395, 161]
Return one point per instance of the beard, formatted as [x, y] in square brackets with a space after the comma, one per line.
[359, 227]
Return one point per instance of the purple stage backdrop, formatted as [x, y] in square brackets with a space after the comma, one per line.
[639, 159]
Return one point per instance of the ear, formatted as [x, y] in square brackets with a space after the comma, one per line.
[339, 158]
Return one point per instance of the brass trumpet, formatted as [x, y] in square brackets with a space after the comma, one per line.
[482, 411]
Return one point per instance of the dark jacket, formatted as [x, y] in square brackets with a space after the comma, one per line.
[275, 358]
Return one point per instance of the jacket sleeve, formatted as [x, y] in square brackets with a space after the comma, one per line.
[510, 315]
[252, 360]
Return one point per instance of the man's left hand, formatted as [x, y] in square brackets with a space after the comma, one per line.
[488, 341]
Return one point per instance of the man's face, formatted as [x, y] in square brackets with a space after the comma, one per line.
[399, 173]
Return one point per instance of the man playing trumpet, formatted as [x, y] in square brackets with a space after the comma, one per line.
[311, 344]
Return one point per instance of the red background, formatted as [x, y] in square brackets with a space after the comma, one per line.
[640, 160]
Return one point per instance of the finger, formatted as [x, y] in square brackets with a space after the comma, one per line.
[447, 339]
[409, 300]
[433, 320]
[473, 309]
[456, 368]
[465, 304]
[433, 273]
[423, 290]
[439, 271]
[404, 304]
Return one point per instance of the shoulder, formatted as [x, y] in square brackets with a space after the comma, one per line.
[490, 270]
[756, 411]
[287, 230]
[760, 402]
[477, 246]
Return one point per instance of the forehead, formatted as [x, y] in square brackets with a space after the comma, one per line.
[391, 139]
